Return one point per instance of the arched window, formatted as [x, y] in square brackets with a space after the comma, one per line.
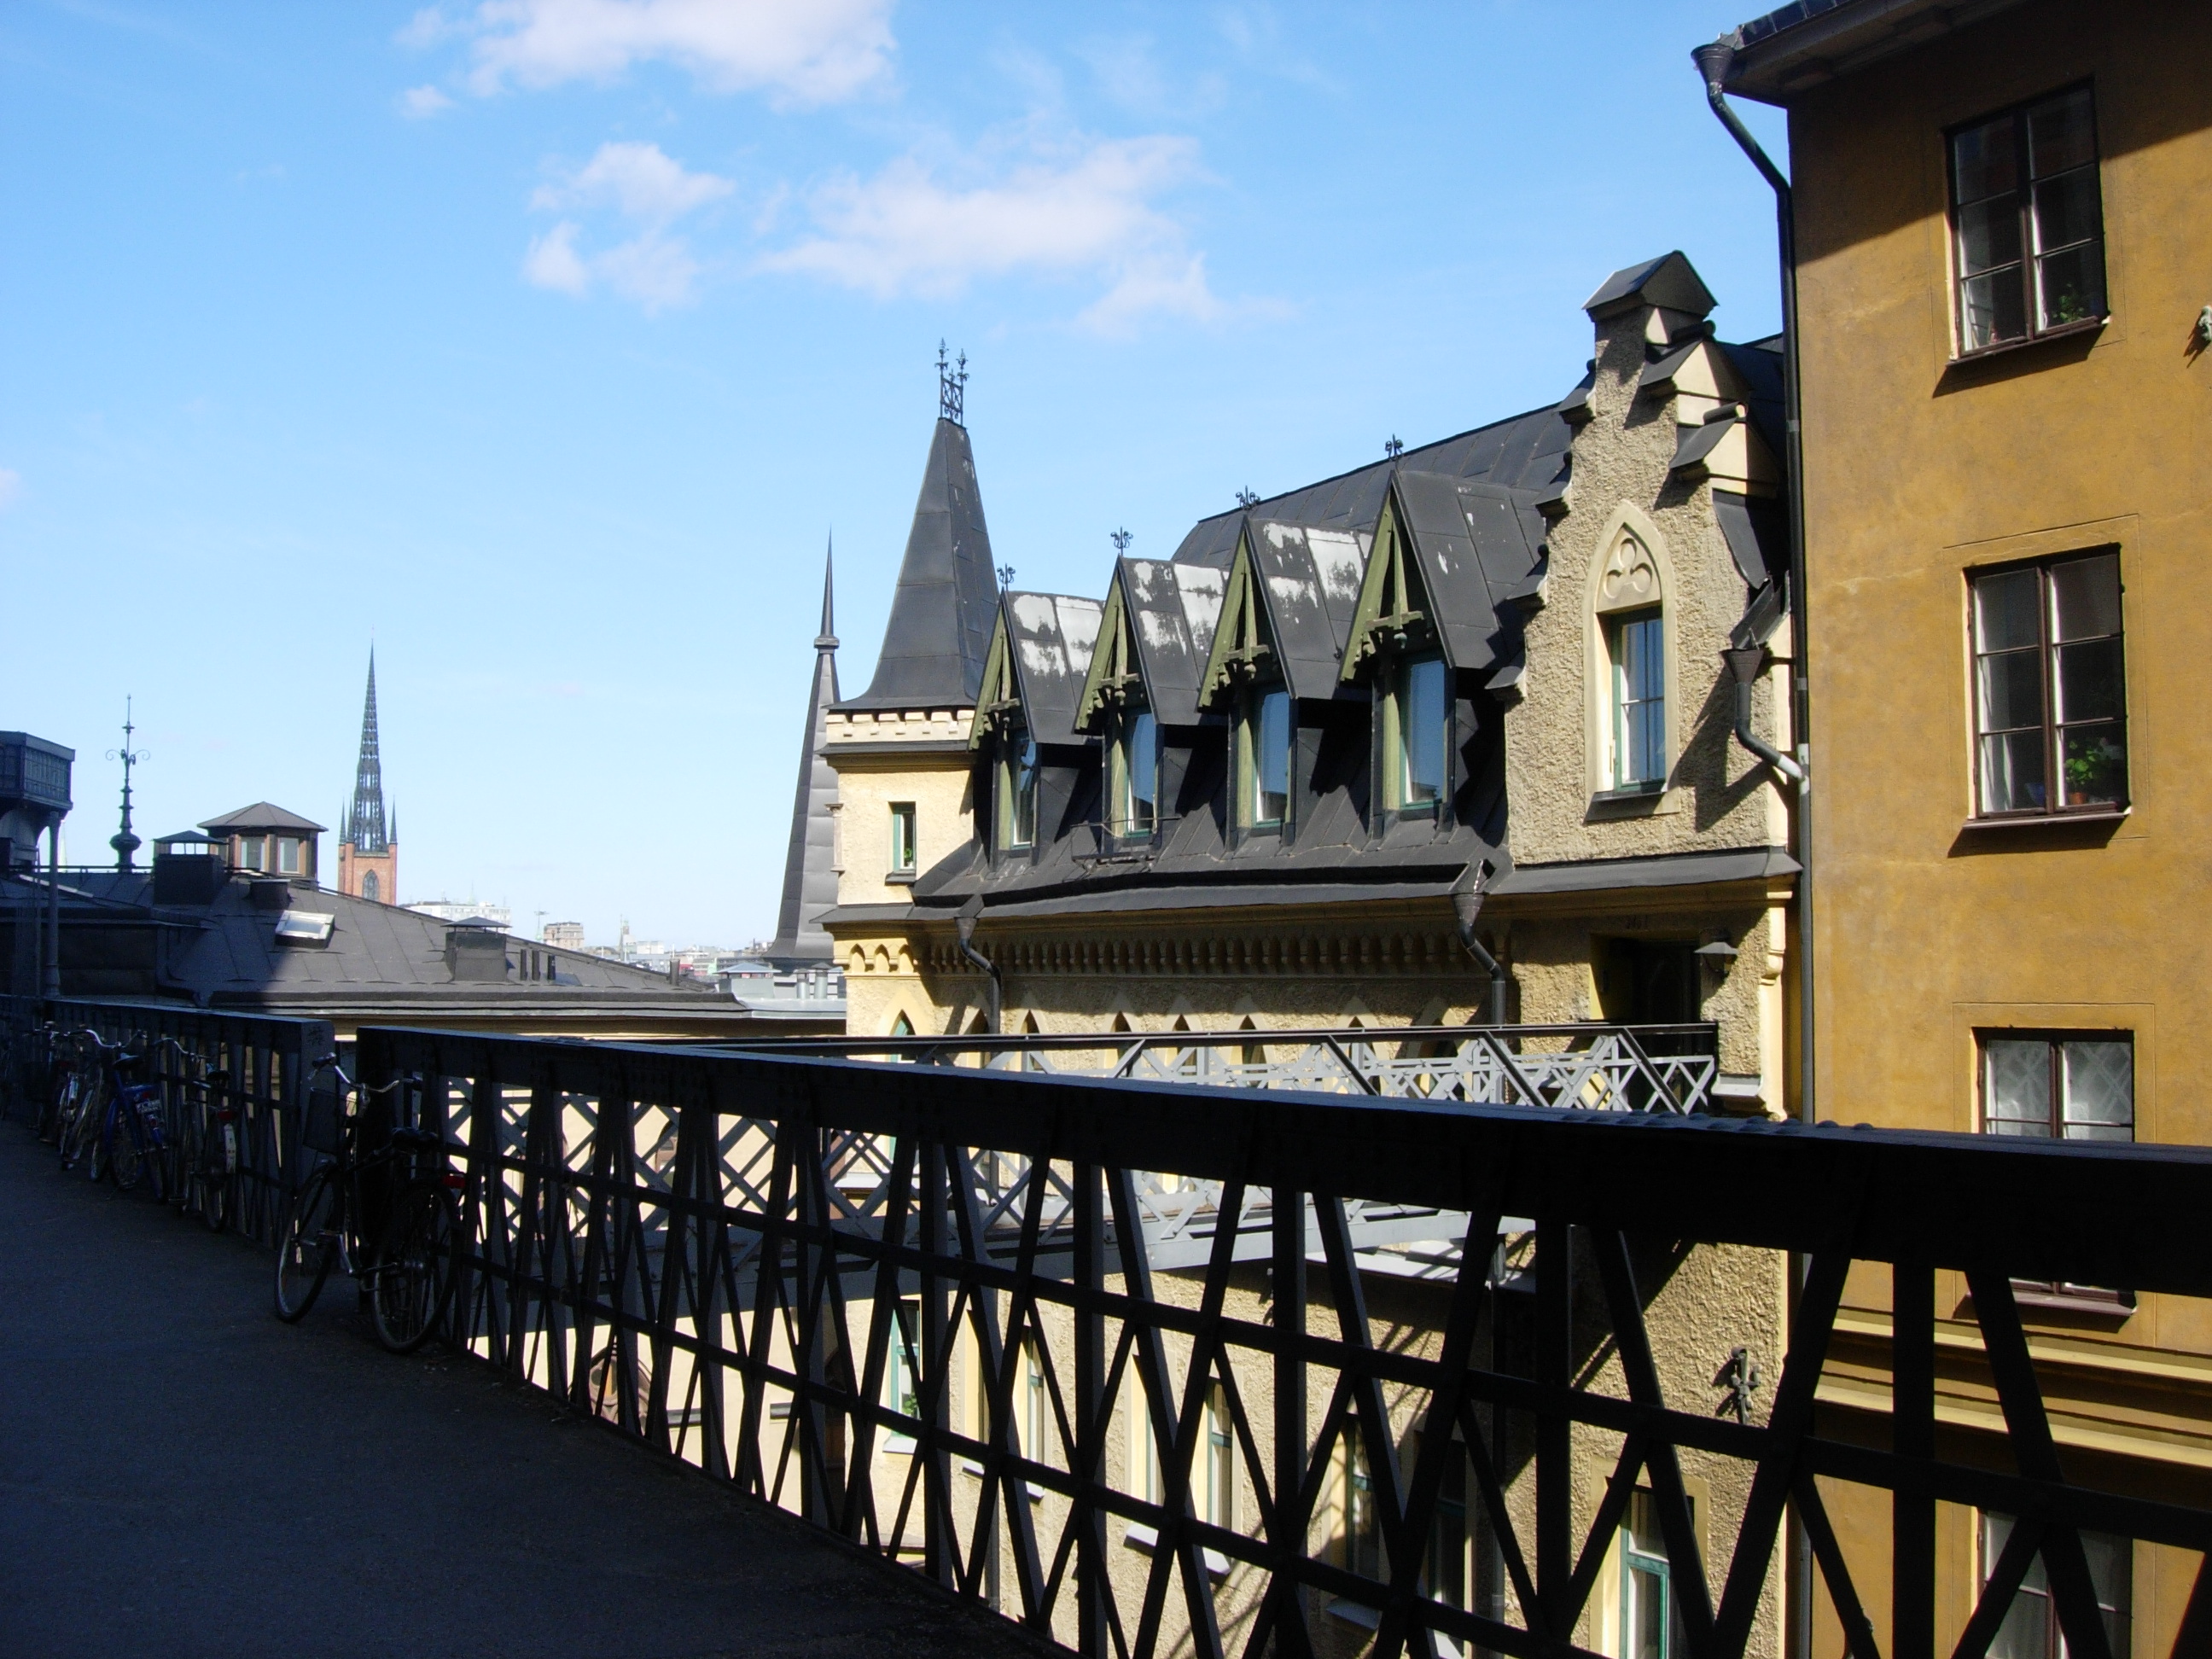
[371, 889]
[1633, 753]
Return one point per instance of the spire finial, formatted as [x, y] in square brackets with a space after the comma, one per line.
[1120, 538]
[826, 639]
[365, 825]
[1392, 447]
[1247, 499]
[123, 840]
[1005, 575]
[951, 387]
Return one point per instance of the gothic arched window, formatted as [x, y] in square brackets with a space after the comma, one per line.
[371, 889]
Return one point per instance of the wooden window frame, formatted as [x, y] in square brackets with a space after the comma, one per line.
[906, 838]
[1248, 747]
[2030, 256]
[2046, 646]
[1615, 624]
[2045, 1293]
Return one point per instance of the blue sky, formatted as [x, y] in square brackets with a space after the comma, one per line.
[545, 342]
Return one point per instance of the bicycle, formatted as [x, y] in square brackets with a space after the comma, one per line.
[208, 1149]
[120, 1126]
[408, 1280]
[78, 1101]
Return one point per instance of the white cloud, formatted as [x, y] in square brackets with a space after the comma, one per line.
[645, 186]
[11, 486]
[639, 180]
[808, 51]
[418, 103]
[905, 231]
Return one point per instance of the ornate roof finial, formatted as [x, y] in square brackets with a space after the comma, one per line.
[1247, 499]
[1005, 577]
[123, 840]
[1120, 538]
[1392, 447]
[951, 387]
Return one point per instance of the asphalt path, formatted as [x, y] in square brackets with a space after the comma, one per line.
[181, 1475]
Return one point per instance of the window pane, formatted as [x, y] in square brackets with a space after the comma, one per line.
[2101, 1088]
[2066, 209]
[1140, 762]
[1988, 234]
[2072, 285]
[2005, 611]
[1021, 779]
[2012, 772]
[2016, 1085]
[2089, 681]
[2062, 133]
[1272, 766]
[2085, 597]
[2012, 690]
[1640, 701]
[1421, 707]
[1995, 308]
[1983, 160]
[2096, 761]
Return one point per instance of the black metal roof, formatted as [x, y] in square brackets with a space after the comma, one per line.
[940, 631]
[1808, 42]
[1171, 610]
[1049, 639]
[262, 815]
[1478, 544]
[810, 872]
[1669, 282]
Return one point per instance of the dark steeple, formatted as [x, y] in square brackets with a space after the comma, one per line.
[946, 603]
[364, 826]
[809, 882]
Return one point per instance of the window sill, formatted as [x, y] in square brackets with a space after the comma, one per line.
[901, 879]
[2008, 348]
[2047, 820]
[1353, 1612]
[2108, 1310]
[1647, 802]
[1144, 1539]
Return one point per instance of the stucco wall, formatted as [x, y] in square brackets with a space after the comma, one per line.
[1717, 795]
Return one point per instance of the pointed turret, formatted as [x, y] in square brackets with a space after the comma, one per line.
[810, 879]
[368, 845]
[947, 603]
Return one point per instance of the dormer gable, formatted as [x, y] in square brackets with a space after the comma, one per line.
[1154, 637]
[1041, 651]
[1449, 554]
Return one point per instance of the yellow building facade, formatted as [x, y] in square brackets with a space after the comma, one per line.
[2002, 287]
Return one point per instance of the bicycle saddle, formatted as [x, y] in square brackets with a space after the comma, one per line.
[414, 1141]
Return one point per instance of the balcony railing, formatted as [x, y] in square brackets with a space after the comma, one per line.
[1596, 1067]
[917, 1305]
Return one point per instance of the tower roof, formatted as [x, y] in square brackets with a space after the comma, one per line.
[809, 875]
[364, 828]
[946, 603]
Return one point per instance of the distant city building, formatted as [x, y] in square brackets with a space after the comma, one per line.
[563, 935]
[465, 910]
[368, 840]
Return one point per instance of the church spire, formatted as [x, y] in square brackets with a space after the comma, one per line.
[810, 880]
[364, 830]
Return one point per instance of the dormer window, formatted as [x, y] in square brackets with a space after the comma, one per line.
[250, 856]
[1264, 737]
[1135, 759]
[1419, 710]
[1016, 789]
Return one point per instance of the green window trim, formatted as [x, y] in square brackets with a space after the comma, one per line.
[1133, 756]
[905, 852]
[1265, 732]
[1015, 788]
[1417, 727]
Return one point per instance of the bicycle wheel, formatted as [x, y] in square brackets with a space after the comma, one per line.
[413, 1278]
[118, 1140]
[306, 1246]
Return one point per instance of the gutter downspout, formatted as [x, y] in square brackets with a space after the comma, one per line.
[1713, 62]
[1744, 663]
[970, 913]
[1467, 905]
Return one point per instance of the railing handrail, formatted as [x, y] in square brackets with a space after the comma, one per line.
[1057, 1041]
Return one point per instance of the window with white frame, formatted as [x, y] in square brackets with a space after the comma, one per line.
[1016, 790]
[1265, 734]
[1136, 780]
[287, 855]
[1636, 650]
[251, 855]
[902, 1369]
[1419, 746]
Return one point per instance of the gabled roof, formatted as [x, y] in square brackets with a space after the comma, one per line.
[1305, 579]
[1167, 613]
[940, 631]
[1669, 282]
[1472, 546]
[261, 816]
[1039, 657]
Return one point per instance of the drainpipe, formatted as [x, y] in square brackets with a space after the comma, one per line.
[1713, 62]
[970, 913]
[1744, 663]
[1467, 905]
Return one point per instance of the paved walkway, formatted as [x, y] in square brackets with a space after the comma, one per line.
[181, 1475]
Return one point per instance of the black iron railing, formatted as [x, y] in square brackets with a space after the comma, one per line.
[916, 1305]
[258, 1066]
